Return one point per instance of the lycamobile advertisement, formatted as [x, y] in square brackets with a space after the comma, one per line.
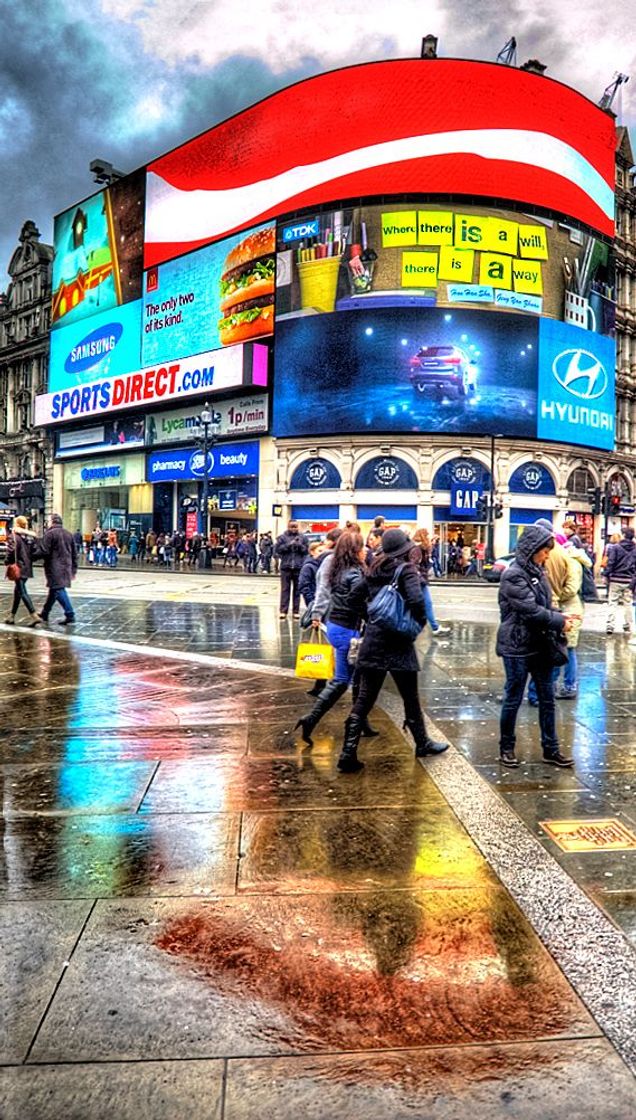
[99, 252]
[217, 296]
[241, 416]
[432, 256]
[104, 345]
[212, 372]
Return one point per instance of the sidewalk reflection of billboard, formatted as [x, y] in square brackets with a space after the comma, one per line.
[407, 370]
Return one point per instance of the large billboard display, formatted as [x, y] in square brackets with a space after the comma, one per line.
[406, 369]
[214, 372]
[106, 344]
[217, 296]
[98, 259]
[436, 255]
[434, 127]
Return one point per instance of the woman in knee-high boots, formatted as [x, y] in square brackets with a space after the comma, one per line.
[20, 545]
[343, 577]
[385, 651]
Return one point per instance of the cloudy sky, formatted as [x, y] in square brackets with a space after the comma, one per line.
[125, 80]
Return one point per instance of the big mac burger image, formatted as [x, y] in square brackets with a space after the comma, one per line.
[247, 289]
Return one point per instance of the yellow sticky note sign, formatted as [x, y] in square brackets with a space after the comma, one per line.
[495, 270]
[502, 236]
[419, 270]
[471, 232]
[527, 277]
[533, 242]
[399, 227]
[435, 227]
[456, 264]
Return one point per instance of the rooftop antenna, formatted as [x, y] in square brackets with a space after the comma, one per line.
[610, 93]
[103, 171]
[508, 54]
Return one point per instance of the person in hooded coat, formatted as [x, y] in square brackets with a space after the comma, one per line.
[20, 549]
[527, 617]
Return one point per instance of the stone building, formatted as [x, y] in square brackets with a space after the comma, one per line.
[26, 455]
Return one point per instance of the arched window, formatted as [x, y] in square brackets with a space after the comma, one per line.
[580, 482]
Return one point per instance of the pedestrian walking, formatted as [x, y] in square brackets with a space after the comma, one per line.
[291, 548]
[313, 585]
[266, 549]
[421, 538]
[20, 549]
[528, 629]
[620, 571]
[565, 575]
[385, 651]
[309, 571]
[57, 549]
[133, 547]
[347, 607]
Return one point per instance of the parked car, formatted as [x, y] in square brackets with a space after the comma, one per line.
[443, 369]
[492, 572]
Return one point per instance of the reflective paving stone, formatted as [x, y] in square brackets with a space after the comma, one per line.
[37, 938]
[132, 744]
[528, 1082]
[357, 850]
[621, 907]
[276, 975]
[119, 855]
[108, 787]
[529, 776]
[121, 1091]
[309, 780]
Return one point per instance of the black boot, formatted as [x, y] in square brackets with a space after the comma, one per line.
[368, 732]
[423, 743]
[317, 689]
[330, 694]
[553, 756]
[349, 762]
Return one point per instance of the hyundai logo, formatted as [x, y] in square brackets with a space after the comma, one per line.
[580, 373]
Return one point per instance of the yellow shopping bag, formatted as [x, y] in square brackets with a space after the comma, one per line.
[315, 658]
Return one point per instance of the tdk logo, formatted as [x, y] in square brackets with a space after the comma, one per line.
[97, 345]
[580, 373]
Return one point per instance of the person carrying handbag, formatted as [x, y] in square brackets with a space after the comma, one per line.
[528, 640]
[385, 651]
[346, 584]
[20, 545]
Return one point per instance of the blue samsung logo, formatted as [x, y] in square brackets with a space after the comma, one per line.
[93, 348]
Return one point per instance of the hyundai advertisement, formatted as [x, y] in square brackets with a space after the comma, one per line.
[98, 261]
[217, 296]
[104, 345]
[576, 386]
[406, 370]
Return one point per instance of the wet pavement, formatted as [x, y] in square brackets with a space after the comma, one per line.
[201, 917]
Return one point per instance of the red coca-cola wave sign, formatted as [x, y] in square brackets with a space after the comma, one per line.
[433, 127]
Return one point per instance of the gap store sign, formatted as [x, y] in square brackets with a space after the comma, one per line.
[227, 460]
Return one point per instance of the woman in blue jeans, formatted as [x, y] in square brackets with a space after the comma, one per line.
[343, 578]
[523, 642]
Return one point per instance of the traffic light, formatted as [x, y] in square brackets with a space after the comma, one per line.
[614, 505]
[481, 509]
[498, 510]
[596, 497]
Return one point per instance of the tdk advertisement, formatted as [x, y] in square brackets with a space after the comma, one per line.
[103, 345]
[576, 399]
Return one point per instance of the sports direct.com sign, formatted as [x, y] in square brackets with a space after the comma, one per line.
[211, 372]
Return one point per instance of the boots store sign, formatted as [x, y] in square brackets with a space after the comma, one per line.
[218, 370]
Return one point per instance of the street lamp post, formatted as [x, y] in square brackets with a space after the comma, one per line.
[206, 420]
[490, 523]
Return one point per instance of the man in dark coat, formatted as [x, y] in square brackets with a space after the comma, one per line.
[523, 642]
[620, 571]
[291, 549]
[57, 549]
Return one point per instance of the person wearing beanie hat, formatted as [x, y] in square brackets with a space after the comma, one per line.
[565, 576]
[386, 651]
[523, 642]
[20, 548]
[57, 549]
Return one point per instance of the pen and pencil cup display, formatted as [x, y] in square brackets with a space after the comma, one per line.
[318, 282]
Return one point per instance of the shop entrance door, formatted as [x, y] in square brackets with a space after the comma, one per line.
[462, 547]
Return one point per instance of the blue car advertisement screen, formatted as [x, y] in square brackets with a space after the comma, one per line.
[216, 296]
[576, 386]
[406, 370]
[102, 345]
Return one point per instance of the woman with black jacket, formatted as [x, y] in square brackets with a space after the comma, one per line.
[524, 644]
[347, 607]
[385, 651]
[20, 546]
